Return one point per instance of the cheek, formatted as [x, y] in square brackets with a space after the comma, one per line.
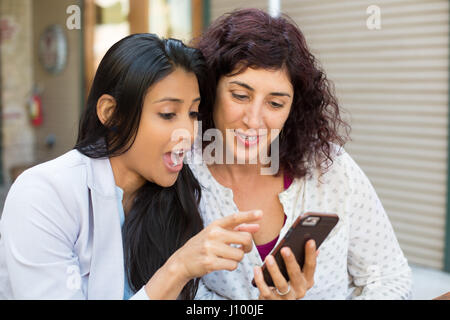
[226, 112]
[150, 141]
[145, 147]
[283, 118]
[276, 122]
[147, 153]
[276, 119]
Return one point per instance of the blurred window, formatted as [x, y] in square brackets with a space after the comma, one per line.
[171, 18]
[111, 25]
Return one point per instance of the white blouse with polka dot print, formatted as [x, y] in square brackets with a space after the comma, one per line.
[360, 258]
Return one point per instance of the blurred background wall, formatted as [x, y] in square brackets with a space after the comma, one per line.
[23, 25]
[16, 59]
[388, 60]
[61, 93]
[394, 83]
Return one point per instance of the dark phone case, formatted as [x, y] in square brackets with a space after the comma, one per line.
[296, 238]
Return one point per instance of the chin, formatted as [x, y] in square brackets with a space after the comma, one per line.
[164, 179]
[249, 156]
[167, 180]
[245, 160]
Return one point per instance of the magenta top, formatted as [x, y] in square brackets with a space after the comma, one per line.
[264, 249]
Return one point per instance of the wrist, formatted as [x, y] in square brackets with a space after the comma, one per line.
[168, 281]
[177, 269]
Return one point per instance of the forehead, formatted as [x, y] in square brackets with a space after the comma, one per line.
[177, 83]
[277, 80]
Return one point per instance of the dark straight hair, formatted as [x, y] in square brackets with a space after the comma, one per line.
[161, 219]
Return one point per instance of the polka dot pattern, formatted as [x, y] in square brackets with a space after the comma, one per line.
[361, 257]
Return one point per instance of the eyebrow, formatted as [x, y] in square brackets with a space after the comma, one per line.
[242, 84]
[174, 100]
[278, 94]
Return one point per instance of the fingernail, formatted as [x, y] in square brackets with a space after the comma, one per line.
[312, 244]
[258, 213]
[269, 260]
[286, 252]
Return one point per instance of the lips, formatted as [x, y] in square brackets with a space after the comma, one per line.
[247, 139]
[173, 160]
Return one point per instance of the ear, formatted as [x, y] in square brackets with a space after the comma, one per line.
[106, 105]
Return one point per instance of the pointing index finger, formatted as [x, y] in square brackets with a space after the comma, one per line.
[236, 219]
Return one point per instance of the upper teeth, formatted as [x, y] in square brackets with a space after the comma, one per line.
[178, 152]
[249, 138]
[176, 157]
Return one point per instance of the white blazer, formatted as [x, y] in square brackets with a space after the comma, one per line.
[60, 233]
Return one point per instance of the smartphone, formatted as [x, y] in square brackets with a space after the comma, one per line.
[310, 225]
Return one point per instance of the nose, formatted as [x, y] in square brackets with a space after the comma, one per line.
[253, 116]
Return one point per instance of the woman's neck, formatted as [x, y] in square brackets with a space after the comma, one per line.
[233, 174]
[126, 179]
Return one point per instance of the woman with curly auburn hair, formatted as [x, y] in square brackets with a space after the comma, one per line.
[272, 95]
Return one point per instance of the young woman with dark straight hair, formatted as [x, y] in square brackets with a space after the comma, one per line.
[117, 217]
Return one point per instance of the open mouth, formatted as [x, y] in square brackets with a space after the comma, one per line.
[177, 157]
[174, 160]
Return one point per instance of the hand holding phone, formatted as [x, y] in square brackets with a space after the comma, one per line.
[311, 225]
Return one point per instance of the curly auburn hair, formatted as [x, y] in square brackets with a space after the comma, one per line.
[252, 38]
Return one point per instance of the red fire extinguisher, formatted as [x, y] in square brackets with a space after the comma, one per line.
[35, 109]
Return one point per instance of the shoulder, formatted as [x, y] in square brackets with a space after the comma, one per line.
[53, 172]
[343, 179]
[341, 175]
[342, 164]
[48, 203]
[49, 190]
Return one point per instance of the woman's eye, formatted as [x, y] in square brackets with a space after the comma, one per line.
[194, 114]
[275, 104]
[167, 116]
[239, 96]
